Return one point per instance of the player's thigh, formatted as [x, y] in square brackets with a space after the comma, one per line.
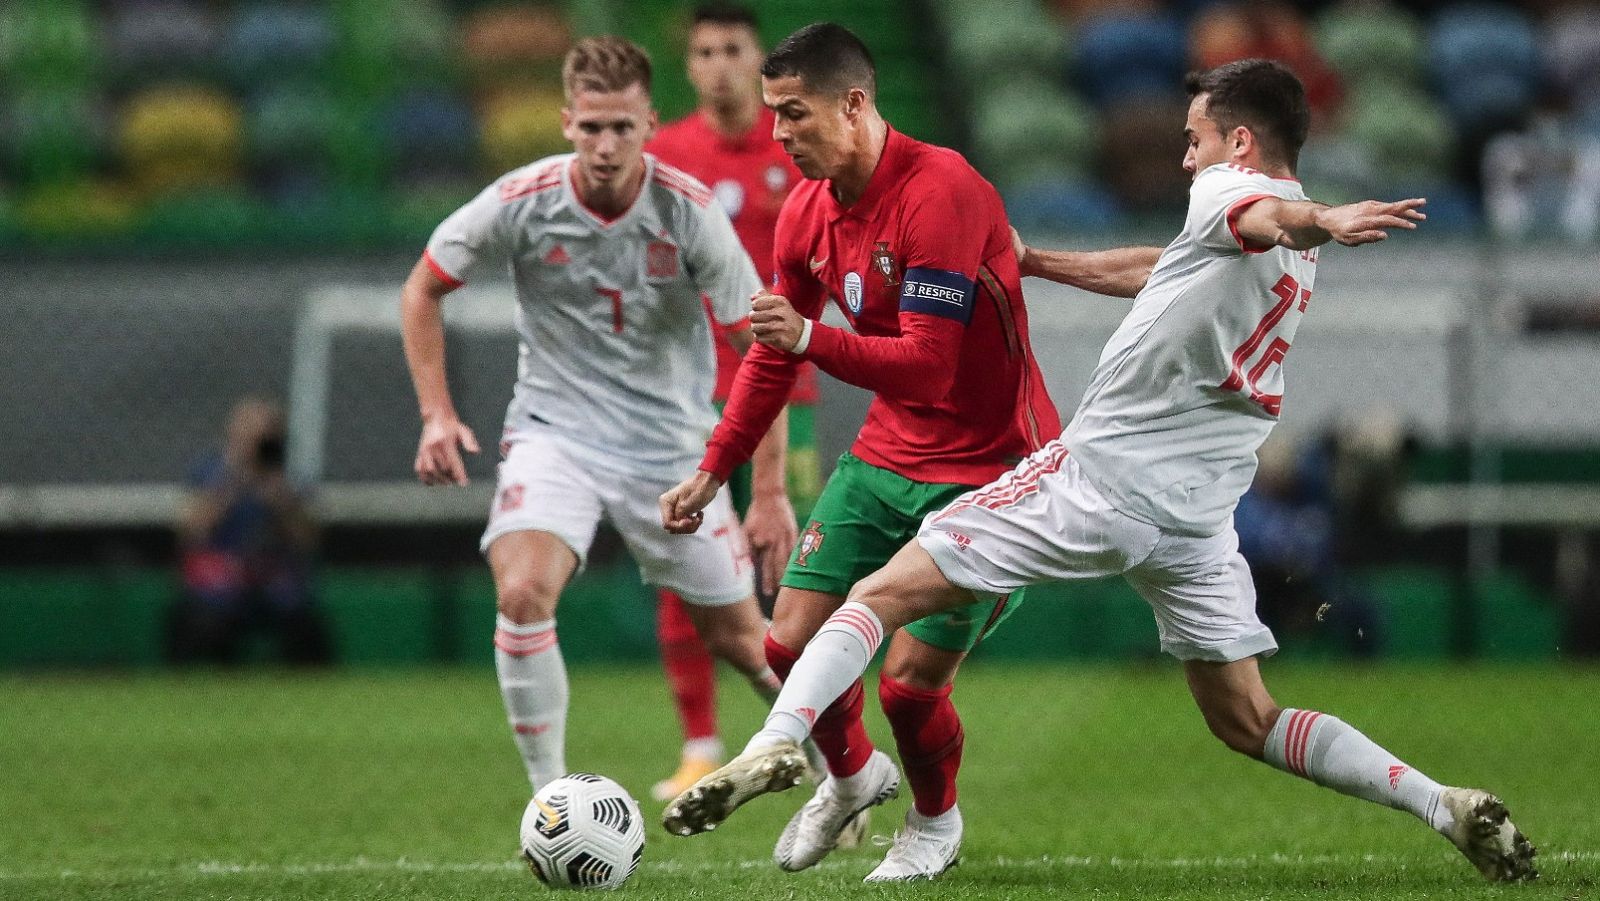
[709, 567]
[851, 532]
[1203, 598]
[911, 593]
[530, 570]
[1043, 521]
[541, 488]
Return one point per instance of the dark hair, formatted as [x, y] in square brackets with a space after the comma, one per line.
[1263, 96]
[724, 14]
[826, 57]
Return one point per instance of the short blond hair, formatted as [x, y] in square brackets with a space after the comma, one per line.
[604, 64]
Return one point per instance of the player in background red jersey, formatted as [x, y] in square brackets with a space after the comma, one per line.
[914, 247]
[727, 144]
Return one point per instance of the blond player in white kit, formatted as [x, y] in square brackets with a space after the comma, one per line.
[1143, 482]
[611, 253]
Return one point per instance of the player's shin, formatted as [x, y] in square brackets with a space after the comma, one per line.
[533, 683]
[1331, 753]
[929, 737]
[829, 670]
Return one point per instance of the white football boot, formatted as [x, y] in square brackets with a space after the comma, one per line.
[923, 850]
[708, 802]
[1485, 834]
[815, 829]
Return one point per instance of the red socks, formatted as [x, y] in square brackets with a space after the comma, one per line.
[839, 733]
[690, 672]
[928, 732]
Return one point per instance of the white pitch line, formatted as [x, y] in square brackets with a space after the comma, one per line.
[1041, 862]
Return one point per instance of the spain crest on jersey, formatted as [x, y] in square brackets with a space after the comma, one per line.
[883, 261]
[661, 260]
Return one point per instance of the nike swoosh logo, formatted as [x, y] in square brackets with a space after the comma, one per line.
[817, 264]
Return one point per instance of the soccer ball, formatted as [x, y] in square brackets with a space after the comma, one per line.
[583, 831]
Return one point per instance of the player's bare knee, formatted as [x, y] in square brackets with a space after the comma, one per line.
[527, 597]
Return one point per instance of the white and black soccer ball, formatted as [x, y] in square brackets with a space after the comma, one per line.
[583, 831]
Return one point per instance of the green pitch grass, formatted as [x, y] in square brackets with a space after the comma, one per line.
[1079, 782]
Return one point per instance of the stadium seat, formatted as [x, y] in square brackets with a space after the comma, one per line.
[268, 41]
[1268, 30]
[520, 126]
[1125, 56]
[1485, 63]
[1025, 128]
[1571, 43]
[1407, 134]
[176, 137]
[50, 134]
[431, 131]
[1017, 35]
[152, 40]
[291, 121]
[386, 43]
[82, 210]
[507, 40]
[1369, 42]
[48, 43]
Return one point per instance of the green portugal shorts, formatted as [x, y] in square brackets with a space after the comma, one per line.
[864, 516]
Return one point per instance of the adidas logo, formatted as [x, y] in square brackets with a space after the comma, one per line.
[1395, 772]
[809, 714]
[557, 256]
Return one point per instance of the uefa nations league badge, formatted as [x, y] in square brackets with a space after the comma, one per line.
[852, 292]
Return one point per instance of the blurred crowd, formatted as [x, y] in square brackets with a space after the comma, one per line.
[364, 121]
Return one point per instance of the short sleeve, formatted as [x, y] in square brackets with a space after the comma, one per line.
[1216, 199]
[471, 239]
[721, 268]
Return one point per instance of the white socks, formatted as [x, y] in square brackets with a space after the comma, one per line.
[533, 682]
[835, 657]
[1331, 753]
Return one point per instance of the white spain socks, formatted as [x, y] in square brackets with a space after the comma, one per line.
[533, 683]
[834, 658]
[1331, 753]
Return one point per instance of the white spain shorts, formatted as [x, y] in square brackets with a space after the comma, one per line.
[544, 486]
[1044, 521]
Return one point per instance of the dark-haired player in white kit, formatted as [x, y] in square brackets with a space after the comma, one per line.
[611, 252]
[1144, 480]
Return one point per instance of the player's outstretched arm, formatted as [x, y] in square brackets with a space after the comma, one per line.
[422, 330]
[1303, 224]
[1119, 272]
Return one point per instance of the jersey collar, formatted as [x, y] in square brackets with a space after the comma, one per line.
[890, 168]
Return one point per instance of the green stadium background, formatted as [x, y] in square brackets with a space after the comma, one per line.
[153, 276]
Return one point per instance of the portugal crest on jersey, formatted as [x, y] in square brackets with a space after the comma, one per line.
[883, 261]
[810, 540]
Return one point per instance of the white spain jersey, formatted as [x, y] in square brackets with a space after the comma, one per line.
[615, 349]
[1190, 384]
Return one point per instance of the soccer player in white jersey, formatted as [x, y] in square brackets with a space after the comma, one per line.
[611, 252]
[1143, 482]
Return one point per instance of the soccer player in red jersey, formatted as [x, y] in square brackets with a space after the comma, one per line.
[727, 144]
[914, 247]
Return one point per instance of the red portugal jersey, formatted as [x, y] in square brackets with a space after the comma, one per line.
[923, 269]
[750, 176]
